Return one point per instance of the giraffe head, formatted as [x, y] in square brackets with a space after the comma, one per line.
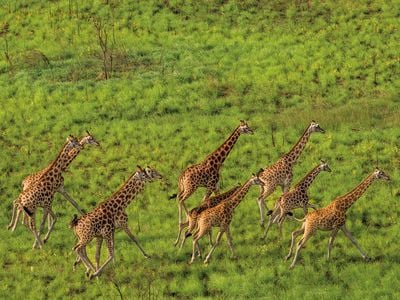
[324, 166]
[255, 179]
[244, 128]
[379, 174]
[147, 174]
[72, 143]
[89, 139]
[314, 127]
[152, 174]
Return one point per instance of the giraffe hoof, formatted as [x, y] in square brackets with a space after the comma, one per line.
[291, 267]
[206, 262]
[287, 257]
[147, 256]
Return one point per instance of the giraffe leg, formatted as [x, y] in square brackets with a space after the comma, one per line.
[80, 250]
[271, 220]
[300, 245]
[229, 241]
[331, 240]
[295, 234]
[15, 221]
[210, 238]
[77, 261]
[353, 240]
[133, 238]
[198, 250]
[280, 224]
[305, 209]
[110, 248]
[217, 240]
[196, 236]
[181, 204]
[99, 242]
[187, 232]
[68, 197]
[265, 192]
[14, 214]
[51, 226]
[180, 225]
[45, 214]
[32, 227]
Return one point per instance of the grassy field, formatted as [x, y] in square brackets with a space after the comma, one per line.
[180, 76]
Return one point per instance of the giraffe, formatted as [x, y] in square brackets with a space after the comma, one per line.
[295, 198]
[59, 182]
[281, 172]
[206, 173]
[333, 218]
[191, 219]
[41, 193]
[220, 216]
[106, 217]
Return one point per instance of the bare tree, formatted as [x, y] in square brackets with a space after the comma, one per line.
[106, 50]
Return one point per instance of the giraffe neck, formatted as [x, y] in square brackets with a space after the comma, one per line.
[238, 196]
[294, 153]
[72, 155]
[124, 196]
[346, 201]
[218, 156]
[305, 183]
[57, 166]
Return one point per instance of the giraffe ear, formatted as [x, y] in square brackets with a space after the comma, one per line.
[87, 131]
[139, 168]
[260, 171]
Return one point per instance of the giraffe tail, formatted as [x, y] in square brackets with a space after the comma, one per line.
[74, 221]
[173, 196]
[293, 217]
[27, 211]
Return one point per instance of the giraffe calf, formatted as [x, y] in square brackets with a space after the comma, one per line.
[220, 216]
[191, 219]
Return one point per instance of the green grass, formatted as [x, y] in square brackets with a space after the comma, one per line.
[184, 75]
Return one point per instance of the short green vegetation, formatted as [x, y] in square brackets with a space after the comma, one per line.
[164, 83]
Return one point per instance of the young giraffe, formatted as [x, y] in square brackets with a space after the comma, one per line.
[220, 216]
[281, 172]
[295, 198]
[59, 183]
[106, 217]
[191, 220]
[41, 193]
[333, 218]
[206, 173]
